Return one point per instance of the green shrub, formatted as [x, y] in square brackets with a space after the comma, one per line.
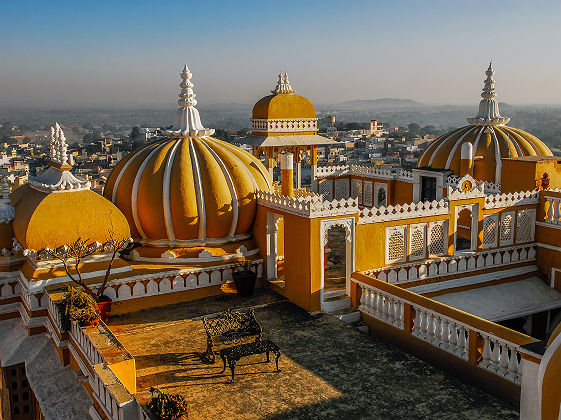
[167, 406]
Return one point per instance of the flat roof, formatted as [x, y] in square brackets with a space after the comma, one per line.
[533, 158]
[328, 368]
[506, 300]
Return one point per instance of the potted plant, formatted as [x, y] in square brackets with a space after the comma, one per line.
[244, 277]
[77, 306]
[167, 406]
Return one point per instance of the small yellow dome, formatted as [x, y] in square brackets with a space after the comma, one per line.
[51, 220]
[192, 191]
[283, 106]
[490, 145]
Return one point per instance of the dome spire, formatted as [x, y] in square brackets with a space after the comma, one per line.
[488, 106]
[58, 148]
[283, 85]
[187, 119]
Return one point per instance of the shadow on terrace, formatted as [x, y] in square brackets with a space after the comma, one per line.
[329, 369]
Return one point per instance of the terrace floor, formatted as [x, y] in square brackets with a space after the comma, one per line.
[329, 369]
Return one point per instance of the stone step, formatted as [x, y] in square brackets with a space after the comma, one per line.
[335, 303]
[334, 293]
[349, 315]
[362, 327]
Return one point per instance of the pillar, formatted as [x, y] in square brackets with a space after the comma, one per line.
[466, 163]
[271, 161]
[314, 164]
[287, 174]
[298, 169]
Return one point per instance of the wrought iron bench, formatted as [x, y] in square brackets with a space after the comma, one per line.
[229, 328]
[235, 353]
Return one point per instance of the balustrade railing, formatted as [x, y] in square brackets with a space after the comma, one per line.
[553, 210]
[85, 345]
[403, 211]
[494, 201]
[309, 205]
[495, 348]
[449, 265]
[54, 314]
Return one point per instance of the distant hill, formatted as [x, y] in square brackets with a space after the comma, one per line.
[376, 104]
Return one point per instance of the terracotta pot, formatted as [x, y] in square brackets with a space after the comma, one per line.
[245, 282]
[104, 310]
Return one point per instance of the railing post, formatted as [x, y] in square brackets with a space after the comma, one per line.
[407, 318]
[472, 351]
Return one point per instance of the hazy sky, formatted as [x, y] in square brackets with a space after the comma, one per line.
[129, 53]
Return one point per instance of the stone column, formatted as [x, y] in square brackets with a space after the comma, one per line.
[466, 162]
[314, 164]
[298, 169]
[287, 174]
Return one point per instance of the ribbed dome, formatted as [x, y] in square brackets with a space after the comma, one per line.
[188, 191]
[491, 139]
[490, 145]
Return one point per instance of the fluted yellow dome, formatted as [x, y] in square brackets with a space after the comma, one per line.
[491, 140]
[192, 191]
[490, 145]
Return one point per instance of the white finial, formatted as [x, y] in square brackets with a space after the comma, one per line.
[488, 106]
[187, 119]
[52, 149]
[7, 211]
[62, 149]
[283, 85]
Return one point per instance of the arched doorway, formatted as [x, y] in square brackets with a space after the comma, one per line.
[337, 256]
[335, 260]
[465, 229]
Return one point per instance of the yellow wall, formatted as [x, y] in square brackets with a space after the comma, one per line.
[533, 170]
[401, 193]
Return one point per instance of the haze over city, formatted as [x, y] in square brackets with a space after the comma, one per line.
[128, 54]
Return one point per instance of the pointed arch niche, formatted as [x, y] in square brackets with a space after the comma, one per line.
[275, 247]
[348, 226]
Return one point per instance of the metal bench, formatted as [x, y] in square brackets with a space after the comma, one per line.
[229, 327]
[235, 353]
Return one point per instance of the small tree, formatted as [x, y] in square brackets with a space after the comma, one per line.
[134, 134]
[74, 254]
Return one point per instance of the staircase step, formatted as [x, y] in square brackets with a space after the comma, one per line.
[362, 327]
[334, 304]
[334, 293]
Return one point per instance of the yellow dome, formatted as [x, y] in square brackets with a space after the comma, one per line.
[283, 106]
[54, 219]
[192, 191]
[490, 145]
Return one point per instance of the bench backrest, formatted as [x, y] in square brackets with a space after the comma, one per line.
[231, 326]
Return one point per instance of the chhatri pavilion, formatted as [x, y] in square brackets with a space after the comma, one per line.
[454, 262]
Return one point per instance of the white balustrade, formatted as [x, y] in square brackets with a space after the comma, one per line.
[553, 215]
[85, 345]
[501, 357]
[437, 267]
[494, 201]
[382, 306]
[54, 314]
[309, 205]
[403, 211]
[498, 355]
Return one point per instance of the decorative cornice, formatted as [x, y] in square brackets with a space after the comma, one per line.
[187, 119]
[284, 125]
[488, 106]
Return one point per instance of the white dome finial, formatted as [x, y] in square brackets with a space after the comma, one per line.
[58, 147]
[7, 211]
[488, 106]
[283, 85]
[187, 119]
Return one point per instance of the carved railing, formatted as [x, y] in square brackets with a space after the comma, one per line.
[85, 345]
[481, 343]
[438, 267]
[552, 210]
[403, 211]
[308, 206]
[488, 186]
[54, 314]
[363, 170]
[494, 201]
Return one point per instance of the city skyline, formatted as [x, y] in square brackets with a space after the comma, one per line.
[130, 54]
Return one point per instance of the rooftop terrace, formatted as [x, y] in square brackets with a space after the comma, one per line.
[329, 369]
